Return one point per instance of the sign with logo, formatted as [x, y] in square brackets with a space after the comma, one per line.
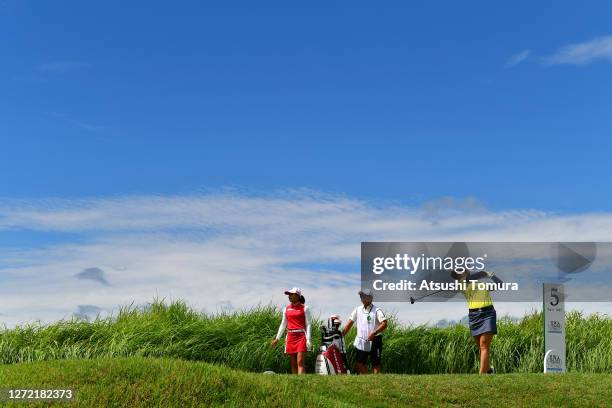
[554, 328]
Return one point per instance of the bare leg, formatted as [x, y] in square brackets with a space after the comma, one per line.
[293, 360]
[485, 358]
[301, 358]
[376, 369]
[361, 368]
[477, 340]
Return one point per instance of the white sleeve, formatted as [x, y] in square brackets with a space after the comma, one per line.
[308, 317]
[380, 315]
[282, 327]
[353, 315]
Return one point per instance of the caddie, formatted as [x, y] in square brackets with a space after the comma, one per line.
[371, 322]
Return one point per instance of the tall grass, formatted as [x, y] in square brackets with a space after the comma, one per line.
[241, 340]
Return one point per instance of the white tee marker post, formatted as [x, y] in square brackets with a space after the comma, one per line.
[554, 328]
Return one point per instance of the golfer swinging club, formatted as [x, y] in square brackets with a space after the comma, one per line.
[297, 321]
[371, 322]
[482, 315]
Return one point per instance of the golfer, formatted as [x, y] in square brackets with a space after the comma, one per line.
[371, 322]
[482, 316]
[297, 321]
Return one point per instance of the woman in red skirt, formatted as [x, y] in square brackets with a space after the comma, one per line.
[296, 319]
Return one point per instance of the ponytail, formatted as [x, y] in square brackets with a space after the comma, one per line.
[302, 299]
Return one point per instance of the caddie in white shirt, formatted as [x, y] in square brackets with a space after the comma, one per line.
[371, 322]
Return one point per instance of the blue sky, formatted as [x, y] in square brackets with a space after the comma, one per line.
[504, 108]
[406, 102]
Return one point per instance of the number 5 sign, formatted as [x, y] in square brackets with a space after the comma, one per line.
[554, 328]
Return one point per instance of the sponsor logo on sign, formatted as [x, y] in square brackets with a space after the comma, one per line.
[554, 326]
[554, 362]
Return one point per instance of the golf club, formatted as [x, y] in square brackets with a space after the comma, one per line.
[412, 300]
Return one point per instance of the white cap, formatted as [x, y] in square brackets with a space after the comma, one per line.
[366, 293]
[295, 290]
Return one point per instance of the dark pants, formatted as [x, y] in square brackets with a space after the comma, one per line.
[375, 354]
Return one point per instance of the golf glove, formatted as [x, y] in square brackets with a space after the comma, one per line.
[308, 345]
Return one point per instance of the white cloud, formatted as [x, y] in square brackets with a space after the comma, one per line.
[223, 249]
[516, 59]
[584, 53]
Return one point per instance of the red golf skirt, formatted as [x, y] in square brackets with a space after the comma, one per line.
[295, 342]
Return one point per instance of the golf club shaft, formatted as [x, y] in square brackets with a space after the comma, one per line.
[424, 296]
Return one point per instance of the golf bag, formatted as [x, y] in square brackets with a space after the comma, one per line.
[331, 359]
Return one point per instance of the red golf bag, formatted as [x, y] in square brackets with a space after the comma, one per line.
[331, 359]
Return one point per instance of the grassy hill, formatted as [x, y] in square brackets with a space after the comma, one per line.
[241, 340]
[170, 355]
[146, 382]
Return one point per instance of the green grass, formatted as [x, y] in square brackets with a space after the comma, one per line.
[241, 340]
[149, 382]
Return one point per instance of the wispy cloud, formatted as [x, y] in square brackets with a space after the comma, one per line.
[445, 206]
[48, 71]
[583, 53]
[90, 127]
[63, 67]
[223, 250]
[516, 59]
